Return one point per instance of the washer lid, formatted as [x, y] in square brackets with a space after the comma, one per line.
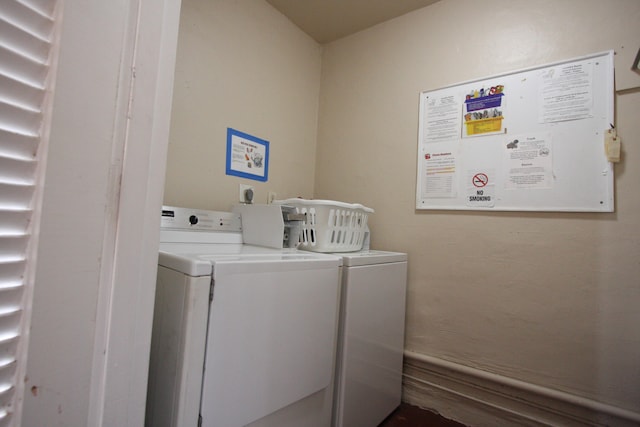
[372, 257]
[200, 260]
[186, 257]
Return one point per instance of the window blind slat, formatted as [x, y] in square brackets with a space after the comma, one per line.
[16, 144]
[22, 68]
[7, 374]
[26, 31]
[43, 7]
[6, 396]
[27, 44]
[5, 419]
[14, 222]
[8, 348]
[13, 247]
[11, 297]
[27, 14]
[10, 323]
[8, 366]
[15, 196]
[12, 272]
[6, 416]
[19, 119]
[17, 170]
[15, 92]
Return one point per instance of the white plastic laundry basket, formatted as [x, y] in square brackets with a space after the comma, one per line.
[331, 226]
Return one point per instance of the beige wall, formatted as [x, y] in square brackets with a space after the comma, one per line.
[547, 298]
[241, 64]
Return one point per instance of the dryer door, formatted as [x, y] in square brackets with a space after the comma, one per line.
[271, 337]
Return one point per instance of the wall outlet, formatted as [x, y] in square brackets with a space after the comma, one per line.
[246, 193]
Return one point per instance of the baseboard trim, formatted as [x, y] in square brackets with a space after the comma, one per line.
[476, 397]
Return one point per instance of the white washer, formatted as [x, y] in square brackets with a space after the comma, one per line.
[371, 337]
[242, 335]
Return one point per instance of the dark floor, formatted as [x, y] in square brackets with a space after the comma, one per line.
[412, 416]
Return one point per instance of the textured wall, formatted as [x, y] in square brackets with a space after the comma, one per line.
[241, 64]
[548, 298]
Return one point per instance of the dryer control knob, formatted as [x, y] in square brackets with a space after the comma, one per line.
[193, 220]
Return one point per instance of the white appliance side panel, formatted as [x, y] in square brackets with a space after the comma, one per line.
[177, 349]
[370, 366]
[271, 338]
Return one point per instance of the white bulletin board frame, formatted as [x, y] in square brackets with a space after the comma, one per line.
[528, 140]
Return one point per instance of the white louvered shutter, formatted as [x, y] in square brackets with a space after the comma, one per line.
[28, 48]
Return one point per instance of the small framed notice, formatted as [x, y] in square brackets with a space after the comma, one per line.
[247, 156]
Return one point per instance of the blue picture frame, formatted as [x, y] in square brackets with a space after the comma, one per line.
[247, 156]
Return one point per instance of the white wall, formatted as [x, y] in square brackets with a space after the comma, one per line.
[243, 65]
[546, 298]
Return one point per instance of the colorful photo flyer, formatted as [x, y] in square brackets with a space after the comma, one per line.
[484, 111]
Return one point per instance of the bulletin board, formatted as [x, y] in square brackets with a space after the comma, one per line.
[530, 140]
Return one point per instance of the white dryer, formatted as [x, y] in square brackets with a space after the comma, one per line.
[371, 337]
[372, 309]
[242, 335]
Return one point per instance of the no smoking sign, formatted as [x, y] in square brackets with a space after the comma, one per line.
[480, 180]
[481, 193]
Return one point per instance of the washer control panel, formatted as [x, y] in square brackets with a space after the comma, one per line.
[175, 218]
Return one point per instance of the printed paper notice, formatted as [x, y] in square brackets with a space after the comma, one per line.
[566, 92]
[442, 118]
[481, 189]
[528, 162]
[439, 172]
[247, 156]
